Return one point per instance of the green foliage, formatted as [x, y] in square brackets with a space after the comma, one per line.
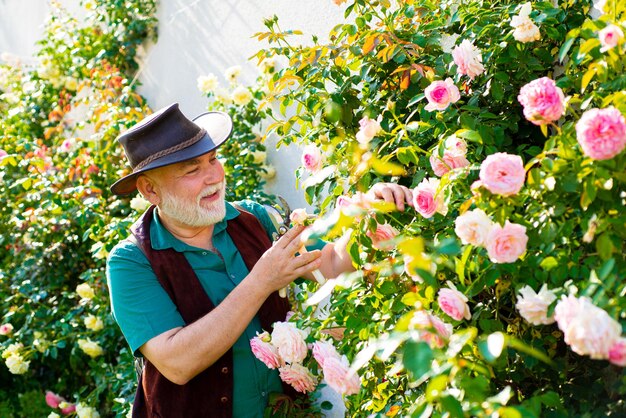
[377, 65]
[244, 154]
[58, 219]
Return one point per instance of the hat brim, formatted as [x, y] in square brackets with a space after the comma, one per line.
[218, 126]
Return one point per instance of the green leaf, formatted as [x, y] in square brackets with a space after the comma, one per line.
[565, 48]
[492, 347]
[417, 357]
[469, 135]
[604, 245]
[435, 386]
[407, 155]
[452, 406]
[549, 263]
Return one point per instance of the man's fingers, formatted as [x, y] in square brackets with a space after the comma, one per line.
[310, 266]
[408, 195]
[290, 236]
[398, 195]
[307, 258]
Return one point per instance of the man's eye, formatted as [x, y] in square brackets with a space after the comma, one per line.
[195, 170]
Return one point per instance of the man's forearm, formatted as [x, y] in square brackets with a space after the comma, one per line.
[182, 353]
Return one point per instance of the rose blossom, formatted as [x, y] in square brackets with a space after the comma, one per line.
[440, 94]
[507, 243]
[265, 351]
[289, 341]
[298, 216]
[441, 165]
[473, 227]
[298, 376]
[502, 173]
[455, 146]
[53, 400]
[534, 306]
[601, 133]
[587, 329]
[525, 28]
[3, 154]
[241, 96]
[542, 100]
[207, 84]
[617, 353]
[610, 37]
[369, 128]
[384, 232]
[6, 329]
[312, 158]
[427, 323]
[468, 59]
[323, 350]
[67, 408]
[426, 200]
[337, 375]
[454, 304]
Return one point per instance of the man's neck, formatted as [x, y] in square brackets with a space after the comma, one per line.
[196, 236]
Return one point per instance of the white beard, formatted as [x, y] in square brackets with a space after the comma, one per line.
[193, 213]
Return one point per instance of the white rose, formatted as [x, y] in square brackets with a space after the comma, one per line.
[473, 227]
[241, 96]
[93, 323]
[534, 306]
[139, 204]
[85, 291]
[289, 341]
[232, 73]
[447, 42]
[207, 84]
[84, 411]
[16, 364]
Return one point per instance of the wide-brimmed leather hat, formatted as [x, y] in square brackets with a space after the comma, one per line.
[168, 137]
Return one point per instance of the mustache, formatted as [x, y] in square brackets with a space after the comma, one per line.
[209, 190]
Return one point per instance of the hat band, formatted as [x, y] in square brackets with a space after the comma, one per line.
[171, 150]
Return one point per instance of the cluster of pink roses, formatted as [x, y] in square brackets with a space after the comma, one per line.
[440, 94]
[382, 236]
[601, 133]
[285, 349]
[311, 158]
[504, 244]
[428, 200]
[369, 128]
[55, 401]
[587, 329]
[453, 156]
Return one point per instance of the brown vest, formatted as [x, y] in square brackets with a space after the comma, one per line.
[210, 393]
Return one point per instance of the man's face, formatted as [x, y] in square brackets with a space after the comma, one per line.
[192, 192]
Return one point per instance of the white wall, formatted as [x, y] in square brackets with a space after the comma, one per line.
[195, 38]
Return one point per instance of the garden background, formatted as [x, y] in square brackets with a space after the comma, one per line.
[499, 293]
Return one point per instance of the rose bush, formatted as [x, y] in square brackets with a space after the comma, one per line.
[536, 206]
[62, 352]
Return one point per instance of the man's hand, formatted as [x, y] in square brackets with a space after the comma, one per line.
[280, 265]
[392, 193]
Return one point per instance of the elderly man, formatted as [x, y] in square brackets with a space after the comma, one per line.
[198, 276]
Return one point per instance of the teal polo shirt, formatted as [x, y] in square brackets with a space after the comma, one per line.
[143, 309]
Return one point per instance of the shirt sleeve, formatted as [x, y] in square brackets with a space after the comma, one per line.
[140, 305]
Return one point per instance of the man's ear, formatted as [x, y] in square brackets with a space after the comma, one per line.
[148, 189]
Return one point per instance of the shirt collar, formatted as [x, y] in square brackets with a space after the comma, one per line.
[162, 239]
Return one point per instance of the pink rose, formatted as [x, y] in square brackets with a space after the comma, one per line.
[587, 329]
[502, 173]
[53, 400]
[426, 200]
[473, 227]
[455, 146]
[6, 329]
[369, 129]
[610, 37]
[542, 100]
[534, 306]
[441, 165]
[299, 377]
[440, 94]
[505, 244]
[323, 350]
[3, 154]
[298, 216]
[454, 304]
[312, 158]
[601, 133]
[338, 377]
[468, 59]
[433, 330]
[617, 353]
[67, 408]
[384, 232]
[265, 351]
[289, 341]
